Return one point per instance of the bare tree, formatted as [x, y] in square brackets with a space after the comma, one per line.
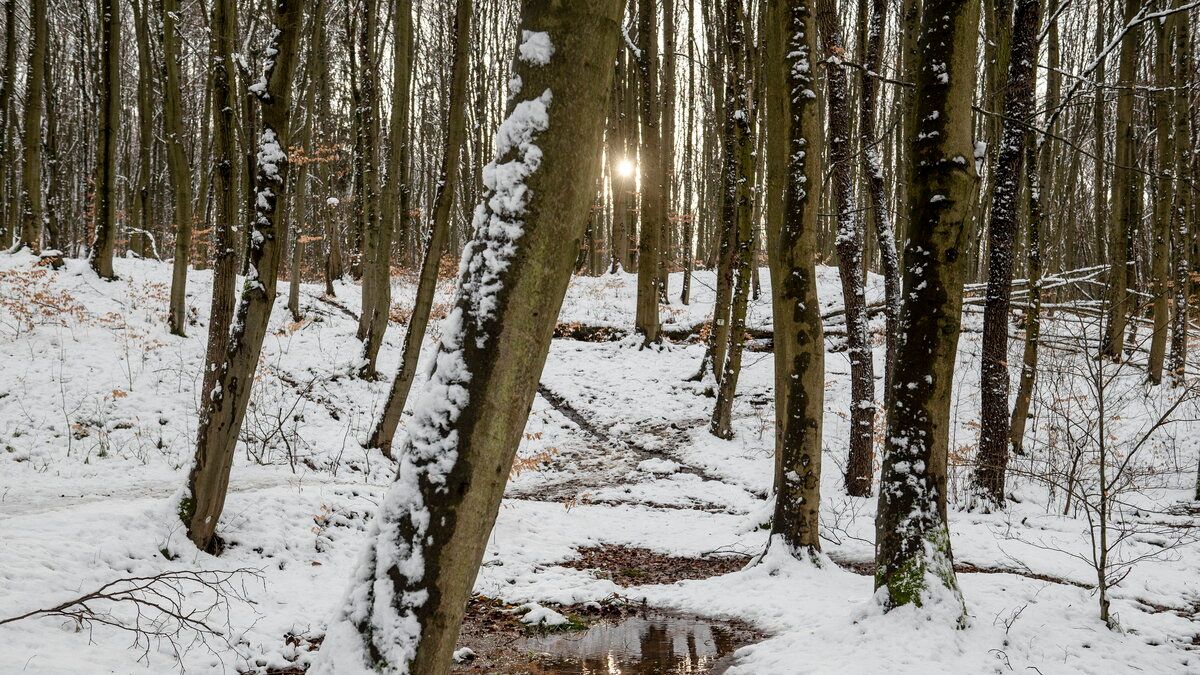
[389, 420]
[793, 174]
[996, 424]
[104, 239]
[31, 183]
[225, 407]
[428, 537]
[912, 540]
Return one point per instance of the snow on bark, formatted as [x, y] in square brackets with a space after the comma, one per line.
[376, 627]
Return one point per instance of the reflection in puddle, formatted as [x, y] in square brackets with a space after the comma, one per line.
[650, 644]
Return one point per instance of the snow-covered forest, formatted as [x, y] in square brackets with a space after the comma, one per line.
[592, 337]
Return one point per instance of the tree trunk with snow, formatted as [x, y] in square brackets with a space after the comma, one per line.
[794, 178]
[224, 408]
[428, 537]
[105, 177]
[913, 557]
[736, 214]
[872, 167]
[1181, 239]
[991, 461]
[31, 175]
[850, 246]
[222, 40]
[389, 420]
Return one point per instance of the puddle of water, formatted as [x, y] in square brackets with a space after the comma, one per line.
[649, 644]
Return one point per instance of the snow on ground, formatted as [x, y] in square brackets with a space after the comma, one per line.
[98, 416]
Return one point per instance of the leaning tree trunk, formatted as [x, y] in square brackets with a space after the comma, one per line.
[177, 165]
[31, 175]
[222, 39]
[991, 461]
[736, 214]
[912, 540]
[389, 420]
[428, 537]
[850, 245]
[794, 177]
[654, 213]
[108, 128]
[1120, 217]
[223, 410]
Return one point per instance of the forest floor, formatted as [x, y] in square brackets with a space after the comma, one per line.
[619, 497]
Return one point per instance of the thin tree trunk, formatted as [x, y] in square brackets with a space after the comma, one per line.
[8, 204]
[223, 29]
[739, 180]
[139, 226]
[177, 166]
[912, 540]
[377, 259]
[31, 176]
[872, 167]
[1164, 193]
[689, 175]
[850, 246]
[389, 420]
[1181, 232]
[223, 410]
[654, 214]
[991, 462]
[108, 127]
[1120, 219]
[428, 538]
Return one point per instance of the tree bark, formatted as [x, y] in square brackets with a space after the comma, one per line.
[991, 461]
[108, 127]
[31, 175]
[139, 226]
[850, 246]
[8, 204]
[794, 178]
[224, 408]
[739, 181]
[1182, 237]
[394, 198]
[177, 166]
[376, 259]
[653, 212]
[429, 535]
[912, 540]
[389, 420]
[872, 167]
[1120, 220]
[1164, 193]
